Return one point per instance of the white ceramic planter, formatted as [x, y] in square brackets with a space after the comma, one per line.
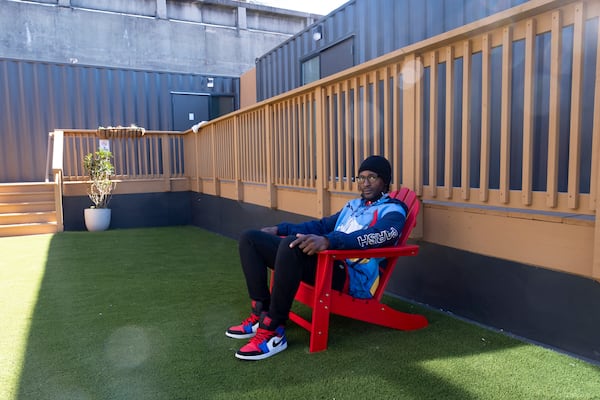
[97, 219]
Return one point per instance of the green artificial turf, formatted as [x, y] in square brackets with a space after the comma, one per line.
[141, 314]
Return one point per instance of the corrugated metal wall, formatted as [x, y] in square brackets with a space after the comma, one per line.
[376, 26]
[36, 98]
[382, 26]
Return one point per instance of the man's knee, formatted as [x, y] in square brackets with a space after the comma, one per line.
[249, 235]
[257, 239]
[285, 250]
[285, 242]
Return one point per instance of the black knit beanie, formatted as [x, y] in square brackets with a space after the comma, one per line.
[380, 165]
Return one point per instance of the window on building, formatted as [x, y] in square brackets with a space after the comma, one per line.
[311, 70]
[329, 61]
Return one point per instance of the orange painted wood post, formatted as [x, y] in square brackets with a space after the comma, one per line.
[268, 118]
[237, 156]
[166, 161]
[595, 181]
[411, 133]
[323, 201]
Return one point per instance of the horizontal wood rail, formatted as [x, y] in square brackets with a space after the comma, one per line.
[145, 161]
[150, 155]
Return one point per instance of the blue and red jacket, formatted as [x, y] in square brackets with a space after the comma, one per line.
[359, 225]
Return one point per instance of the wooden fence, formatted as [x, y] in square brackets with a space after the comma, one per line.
[496, 119]
[496, 126]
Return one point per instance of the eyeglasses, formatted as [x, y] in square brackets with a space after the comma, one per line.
[361, 178]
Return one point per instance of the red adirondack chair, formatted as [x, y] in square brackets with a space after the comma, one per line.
[325, 301]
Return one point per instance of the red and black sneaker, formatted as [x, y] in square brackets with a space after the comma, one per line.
[248, 327]
[269, 340]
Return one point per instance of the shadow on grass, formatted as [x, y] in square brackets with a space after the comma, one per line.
[141, 314]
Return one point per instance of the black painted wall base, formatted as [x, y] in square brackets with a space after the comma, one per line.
[552, 308]
[134, 210]
[548, 307]
[231, 218]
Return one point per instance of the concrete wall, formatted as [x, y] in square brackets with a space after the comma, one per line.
[210, 37]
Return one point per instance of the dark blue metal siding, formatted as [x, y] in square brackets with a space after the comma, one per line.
[381, 26]
[36, 98]
[377, 26]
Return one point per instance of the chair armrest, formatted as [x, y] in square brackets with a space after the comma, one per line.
[397, 251]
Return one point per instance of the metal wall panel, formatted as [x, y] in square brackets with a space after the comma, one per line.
[377, 26]
[36, 98]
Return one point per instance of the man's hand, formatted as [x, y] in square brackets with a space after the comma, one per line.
[270, 229]
[310, 244]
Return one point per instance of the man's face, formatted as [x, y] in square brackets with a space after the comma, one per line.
[370, 185]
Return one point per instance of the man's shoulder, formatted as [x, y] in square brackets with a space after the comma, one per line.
[387, 203]
[396, 202]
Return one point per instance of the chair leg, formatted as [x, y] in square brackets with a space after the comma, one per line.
[321, 307]
[319, 330]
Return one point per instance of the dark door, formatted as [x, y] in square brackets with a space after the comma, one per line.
[189, 109]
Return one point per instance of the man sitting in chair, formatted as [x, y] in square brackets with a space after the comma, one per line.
[373, 220]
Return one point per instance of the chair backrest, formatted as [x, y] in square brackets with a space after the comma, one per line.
[412, 202]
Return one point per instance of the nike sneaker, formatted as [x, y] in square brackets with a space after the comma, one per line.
[248, 327]
[269, 340]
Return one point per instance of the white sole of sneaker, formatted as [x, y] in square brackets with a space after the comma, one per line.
[272, 352]
[240, 336]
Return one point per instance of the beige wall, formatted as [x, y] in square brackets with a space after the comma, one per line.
[248, 88]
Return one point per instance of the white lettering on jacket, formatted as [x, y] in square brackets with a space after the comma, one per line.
[372, 239]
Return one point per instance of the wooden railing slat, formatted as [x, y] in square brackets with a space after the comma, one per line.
[576, 96]
[505, 113]
[554, 111]
[466, 122]
[433, 122]
[449, 129]
[484, 166]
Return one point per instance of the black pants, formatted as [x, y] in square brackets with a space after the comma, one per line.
[260, 251]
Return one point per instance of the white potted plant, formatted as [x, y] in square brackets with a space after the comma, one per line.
[99, 168]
